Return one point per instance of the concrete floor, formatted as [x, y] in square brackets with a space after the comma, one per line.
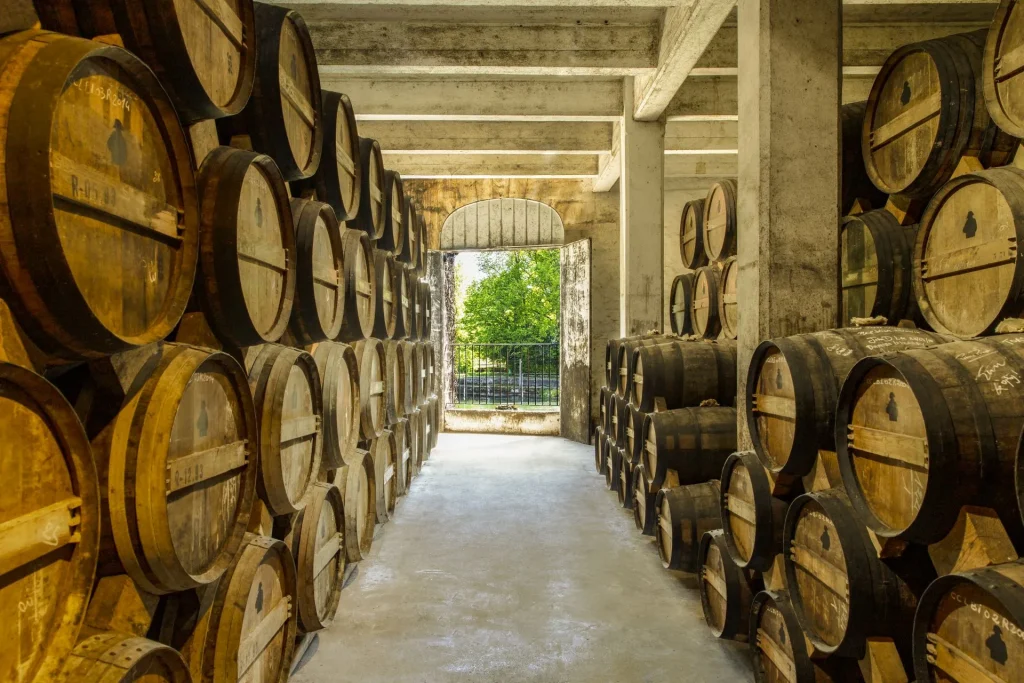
[510, 561]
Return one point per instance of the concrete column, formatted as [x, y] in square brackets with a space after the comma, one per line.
[789, 141]
[641, 208]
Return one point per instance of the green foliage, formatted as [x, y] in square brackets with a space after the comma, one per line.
[517, 301]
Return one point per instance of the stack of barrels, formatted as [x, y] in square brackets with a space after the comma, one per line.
[213, 341]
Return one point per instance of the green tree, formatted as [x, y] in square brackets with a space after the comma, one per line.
[517, 300]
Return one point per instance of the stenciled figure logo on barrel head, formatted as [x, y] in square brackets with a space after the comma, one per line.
[905, 97]
[892, 410]
[117, 145]
[996, 646]
[826, 540]
[970, 225]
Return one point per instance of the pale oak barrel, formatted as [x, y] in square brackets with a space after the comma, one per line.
[284, 116]
[286, 388]
[1003, 65]
[395, 214]
[720, 221]
[621, 422]
[178, 470]
[726, 590]
[728, 306]
[410, 251]
[433, 421]
[339, 376]
[635, 433]
[360, 286]
[100, 172]
[358, 484]
[599, 449]
[116, 657]
[430, 368]
[427, 302]
[611, 474]
[624, 491]
[386, 301]
[417, 437]
[385, 473]
[876, 267]
[419, 373]
[319, 307]
[371, 215]
[704, 307]
[49, 526]
[402, 448]
[692, 442]
[685, 513]
[752, 517]
[679, 304]
[645, 511]
[422, 240]
[373, 369]
[691, 235]
[338, 178]
[683, 374]
[404, 324]
[399, 382]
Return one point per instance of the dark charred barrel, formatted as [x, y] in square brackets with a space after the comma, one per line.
[926, 110]
[679, 305]
[635, 434]
[876, 267]
[395, 214]
[338, 177]
[693, 443]
[319, 306]
[682, 374]
[856, 185]
[752, 517]
[704, 302]
[284, 115]
[691, 235]
[922, 432]
[645, 511]
[720, 221]
[841, 591]
[625, 360]
[793, 383]
[386, 317]
[360, 286]
[728, 308]
[685, 513]
[370, 217]
[726, 590]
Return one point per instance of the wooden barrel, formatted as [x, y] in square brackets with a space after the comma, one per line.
[1002, 70]
[433, 421]
[602, 401]
[692, 442]
[358, 484]
[624, 385]
[422, 319]
[683, 374]
[726, 590]
[382, 451]
[119, 191]
[319, 306]
[204, 55]
[612, 358]
[339, 383]
[394, 213]
[645, 512]
[417, 433]
[685, 513]
[614, 465]
[968, 626]
[856, 186]
[112, 657]
[621, 422]
[634, 433]
[373, 370]
[247, 247]
[386, 316]
[430, 372]
[401, 446]
[679, 304]
[752, 517]
[284, 116]
[925, 112]
[404, 323]
[599, 450]
[252, 624]
[704, 303]
[608, 411]
[691, 235]
[339, 175]
[360, 286]
[399, 382]
[876, 267]
[316, 538]
[781, 653]
[371, 215]
[185, 444]
[409, 254]
[793, 382]
[422, 244]
[419, 373]
[720, 221]
[841, 591]
[428, 311]
[624, 490]
[966, 252]
[285, 386]
[923, 432]
[50, 506]
[728, 307]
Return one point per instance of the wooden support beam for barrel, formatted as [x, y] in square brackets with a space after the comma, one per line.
[978, 540]
[882, 662]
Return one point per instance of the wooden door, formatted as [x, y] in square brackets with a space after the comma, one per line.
[574, 382]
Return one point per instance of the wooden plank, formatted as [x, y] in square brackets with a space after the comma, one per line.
[389, 474]
[33, 535]
[775, 406]
[265, 254]
[832, 577]
[665, 525]
[912, 450]
[325, 274]
[296, 97]
[968, 259]
[363, 289]
[256, 642]
[79, 184]
[861, 278]
[299, 428]
[716, 582]
[914, 116]
[377, 388]
[956, 663]
[226, 20]
[776, 655]
[196, 467]
[326, 553]
[741, 508]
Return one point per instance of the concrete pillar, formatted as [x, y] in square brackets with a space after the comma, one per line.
[641, 208]
[789, 141]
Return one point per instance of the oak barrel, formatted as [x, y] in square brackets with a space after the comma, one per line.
[728, 307]
[410, 251]
[625, 489]
[692, 442]
[419, 372]
[339, 384]
[679, 305]
[358, 484]
[752, 517]
[876, 267]
[286, 388]
[611, 360]
[635, 433]
[417, 436]
[360, 286]
[371, 215]
[926, 110]
[382, 451]
[433, 420]
[923, 432]
[968, 273]
[111, 657]
[704, 306]
[682, 374]
[247, 247]
[338, 177]
[395, 214]
[319, 306]
[422, 240]
[429, 368]
[401, 446]
[99, 172]
[793, 382]
[856, 186]
[612, 479]
[404, 323]
[252, 625]
[726, 590]
[373, 370]
[645, 512]
[416, 306]
[284, 116]
[178, 469]
[621, 421]
[385, 302]
[685, 513]
[599, 449]
[691, 235]
[50, 518]
[720, 221]
[399, 381]
[427, 313]
[1002, 69]
[626, 359]
[608, 406]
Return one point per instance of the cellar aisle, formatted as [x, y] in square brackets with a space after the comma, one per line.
[510, 561]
